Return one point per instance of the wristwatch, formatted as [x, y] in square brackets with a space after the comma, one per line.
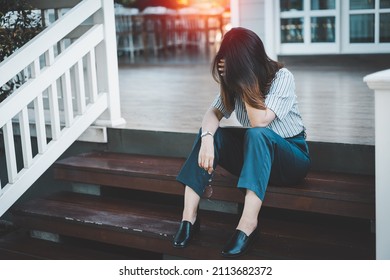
[206, 133]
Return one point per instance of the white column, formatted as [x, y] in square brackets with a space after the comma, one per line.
[107, 66]
[380, 83]
[235, 13]
[270, 28]
[262, 18]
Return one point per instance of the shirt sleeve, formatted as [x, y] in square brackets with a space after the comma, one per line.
[218, 104]
[281, 95]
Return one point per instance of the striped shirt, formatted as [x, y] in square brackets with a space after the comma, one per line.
[281, 99]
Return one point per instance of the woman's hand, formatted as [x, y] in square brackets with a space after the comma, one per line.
[221, 67]
[206, 154]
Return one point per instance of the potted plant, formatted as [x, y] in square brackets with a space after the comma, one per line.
[19, 23]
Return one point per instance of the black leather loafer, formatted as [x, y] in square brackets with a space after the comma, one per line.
[185, 233]
[238, 244]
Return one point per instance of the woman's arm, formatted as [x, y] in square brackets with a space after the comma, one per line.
[210, 124]
[258, 117]
[211, 120]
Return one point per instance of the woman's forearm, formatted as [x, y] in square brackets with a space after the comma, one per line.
[258, 117]
[211, 120]
[210, 124]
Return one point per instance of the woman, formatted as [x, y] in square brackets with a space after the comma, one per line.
[270, 147]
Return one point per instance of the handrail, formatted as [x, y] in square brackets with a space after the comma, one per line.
[69, 85]
[50, 36]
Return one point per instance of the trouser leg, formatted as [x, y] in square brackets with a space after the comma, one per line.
[271, 158]
[228, 152]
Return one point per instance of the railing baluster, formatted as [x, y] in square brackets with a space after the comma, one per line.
[9, 146]
[53, 99]
[61, 48]
[57, 14]
[40, 125]
[49, 56]
[25, 137]
[39, 111]
[54, 112]
[35, 68]
[60, 44]
[80, 87]
[23, 77]
[67, 96]
[43, 18]
[1, 189]
[91, 76]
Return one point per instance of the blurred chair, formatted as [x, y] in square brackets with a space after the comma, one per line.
[129, 31]
[190, 27]
[157, 23]
[215, 24]
[200, 27]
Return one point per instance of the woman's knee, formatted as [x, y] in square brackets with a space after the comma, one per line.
[258, 133]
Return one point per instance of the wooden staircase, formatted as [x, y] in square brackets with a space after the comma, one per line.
[133, 202]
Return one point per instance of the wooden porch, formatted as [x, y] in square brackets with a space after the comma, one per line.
[336, 105]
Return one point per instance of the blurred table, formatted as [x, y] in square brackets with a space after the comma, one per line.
[144, 32]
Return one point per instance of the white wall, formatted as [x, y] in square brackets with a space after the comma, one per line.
[258, 16]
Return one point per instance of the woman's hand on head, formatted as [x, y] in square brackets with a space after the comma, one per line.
[206, 154]
[221, 67]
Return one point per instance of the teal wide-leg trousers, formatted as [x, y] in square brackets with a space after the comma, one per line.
[258, 156]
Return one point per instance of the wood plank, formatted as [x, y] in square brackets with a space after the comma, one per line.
[119, 163]
[19, 245]
[151, 227]
[322, 192]
[318, 205]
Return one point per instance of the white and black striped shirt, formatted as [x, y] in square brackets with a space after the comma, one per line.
[281, 99]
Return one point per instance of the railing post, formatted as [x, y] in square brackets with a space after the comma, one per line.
[107, 66]
[380, 83]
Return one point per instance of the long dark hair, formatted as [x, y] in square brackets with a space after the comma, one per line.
[248, 71]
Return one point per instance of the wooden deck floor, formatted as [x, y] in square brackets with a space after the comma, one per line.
[172, 93]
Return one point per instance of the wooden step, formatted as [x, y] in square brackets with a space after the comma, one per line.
[19, 245]
[151, 227]
[346, 195]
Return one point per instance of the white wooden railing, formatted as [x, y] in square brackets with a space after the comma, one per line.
[71, 82]
[380, 83]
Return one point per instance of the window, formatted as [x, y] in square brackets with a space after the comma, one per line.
[323, 5]
[384, 27]
[292, 30]
[385, 4]
[362, 28]
[323, 29]
[308, 25]
[361, 4]
[334, 26]
[369, 21]
[291, 5]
